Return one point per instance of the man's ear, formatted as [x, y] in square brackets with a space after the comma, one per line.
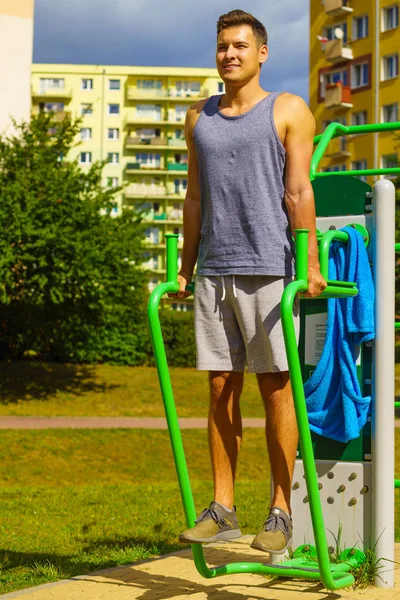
[263, 54]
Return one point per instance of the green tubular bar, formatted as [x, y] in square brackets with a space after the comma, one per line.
[333, 576]
[335, 130]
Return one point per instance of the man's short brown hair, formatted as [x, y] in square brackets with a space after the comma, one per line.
[238, 17]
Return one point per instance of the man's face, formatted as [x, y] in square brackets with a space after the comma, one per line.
[239, 54]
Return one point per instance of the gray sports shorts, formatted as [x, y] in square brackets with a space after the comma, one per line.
[237, 321]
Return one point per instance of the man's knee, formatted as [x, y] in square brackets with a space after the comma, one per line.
[225, 386]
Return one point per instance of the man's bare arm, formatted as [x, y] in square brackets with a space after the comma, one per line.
[191, 207]
[299, 195]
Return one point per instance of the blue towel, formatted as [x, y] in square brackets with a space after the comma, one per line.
[336, 408]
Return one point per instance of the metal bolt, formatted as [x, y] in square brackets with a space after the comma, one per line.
[332, 228]
[296, 486]
[353, 501]
[330, 500]
[306, 548]
[320, 486]
[365, 490]
[305, 499]
[353, 476]
[368, 208]
[341, 488]
[368, 194]
[331, 475]
[352, 552]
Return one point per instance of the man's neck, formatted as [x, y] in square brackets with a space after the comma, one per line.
[239, 99]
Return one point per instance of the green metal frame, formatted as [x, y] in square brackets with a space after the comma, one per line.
[335, 130]
[304, 563]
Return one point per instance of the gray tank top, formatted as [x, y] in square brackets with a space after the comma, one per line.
[244, 222]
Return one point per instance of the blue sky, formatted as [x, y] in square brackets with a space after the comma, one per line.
[169, 33]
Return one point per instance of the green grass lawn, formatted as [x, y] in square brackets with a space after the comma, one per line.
[76, 501]
[50, 389]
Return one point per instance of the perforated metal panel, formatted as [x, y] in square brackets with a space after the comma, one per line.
[345, 492]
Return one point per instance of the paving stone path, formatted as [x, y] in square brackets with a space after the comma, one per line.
[111, 423]
[174, 577]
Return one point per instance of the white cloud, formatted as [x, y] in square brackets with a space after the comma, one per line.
[173, 32]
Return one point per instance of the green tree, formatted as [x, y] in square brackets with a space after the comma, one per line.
[71, 286]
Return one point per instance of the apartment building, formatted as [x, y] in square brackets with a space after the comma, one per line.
[16, 46]
[134, 118]
[354, 77]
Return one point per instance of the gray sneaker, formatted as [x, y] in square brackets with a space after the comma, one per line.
[213, 525]
[276, 535]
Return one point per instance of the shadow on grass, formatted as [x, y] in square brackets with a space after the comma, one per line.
[25, 380]
[150, 583]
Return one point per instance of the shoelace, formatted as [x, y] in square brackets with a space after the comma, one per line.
[275, 522]
[210, 512]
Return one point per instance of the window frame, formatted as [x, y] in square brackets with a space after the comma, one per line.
[88, 154]
[113, 114]
[114, 89]
[87, 89]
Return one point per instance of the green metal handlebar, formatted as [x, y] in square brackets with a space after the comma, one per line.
[335, 130]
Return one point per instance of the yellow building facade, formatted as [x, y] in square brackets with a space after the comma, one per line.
[133, 117]
[354, 77]
[16, 46]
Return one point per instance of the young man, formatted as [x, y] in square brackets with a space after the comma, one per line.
[248, 190]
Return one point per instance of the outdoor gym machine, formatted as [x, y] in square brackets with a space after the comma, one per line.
[368, 516]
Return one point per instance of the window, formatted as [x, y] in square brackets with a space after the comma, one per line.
[180, 113]
[114, 84]
[359, 75]
[86, 133]
[113, 133]
[53, 107]
[359, 118]
[187, 88]
[112, 182]
[86, 157]
[51, 83]
[149, 84]
[87, 84]
[360, 27]
[113, 157]
[149, 111]
[330, 31]
[390, 113]
[390, 17]
[334, 169]
[149, 159]
[86, 109]
[390, 66]
[359, 165]
[220, 87]
[113, 109]
[390, 161]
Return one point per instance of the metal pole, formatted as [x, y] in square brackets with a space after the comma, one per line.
[377, 82]
[383, 381]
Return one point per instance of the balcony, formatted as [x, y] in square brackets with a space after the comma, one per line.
[134, 93]
[159, 143]
[337, 51]
[55, 92]
[338, 96]
[335, 8]
[137, 168]
[177, 167]
[132, 118]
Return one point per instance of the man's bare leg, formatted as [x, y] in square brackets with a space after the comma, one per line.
[224, 431]
[281, 432]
